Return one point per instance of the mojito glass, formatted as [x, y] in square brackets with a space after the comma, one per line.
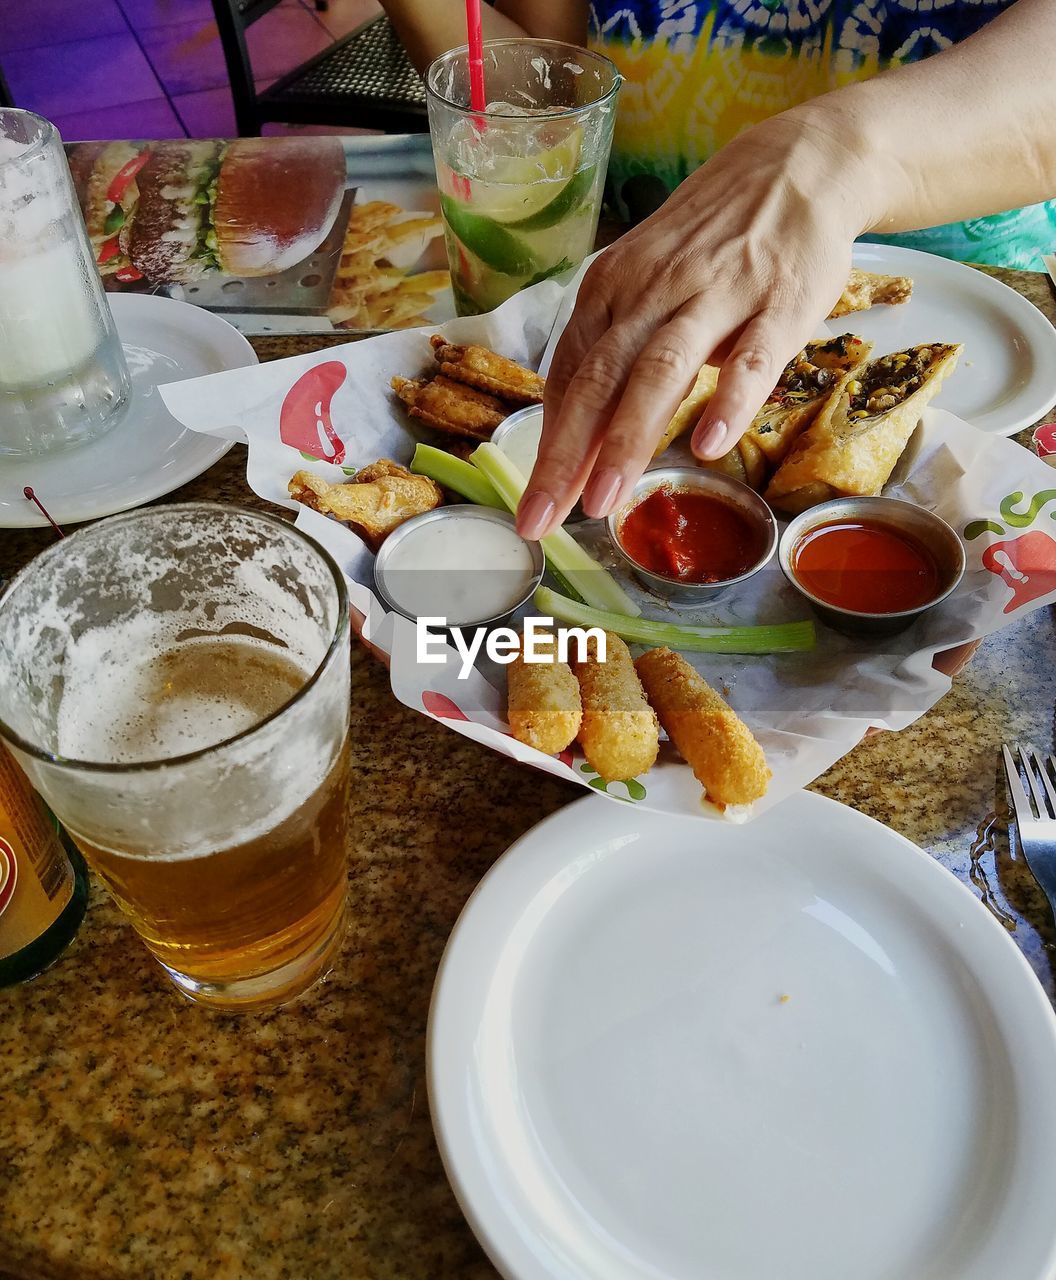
[520, 182]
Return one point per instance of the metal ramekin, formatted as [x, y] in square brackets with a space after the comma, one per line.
[923, 525]
[460, 512]
[508, 426]
[717, 485]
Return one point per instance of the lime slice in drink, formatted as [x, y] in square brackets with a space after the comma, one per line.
[569, 199]
[510, 188]
[491, 242]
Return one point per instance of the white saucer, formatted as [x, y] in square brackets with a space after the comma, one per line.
[148, 453]
[797, 1048]
[1006, 378]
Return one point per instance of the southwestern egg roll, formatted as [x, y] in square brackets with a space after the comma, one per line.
[821, 370]
[852, 446]
[865, 289]
[688, 412]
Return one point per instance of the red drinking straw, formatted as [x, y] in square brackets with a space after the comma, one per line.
[477, 97]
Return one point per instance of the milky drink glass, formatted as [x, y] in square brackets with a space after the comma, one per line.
[63, 379]
[521, 182]
[175, 682]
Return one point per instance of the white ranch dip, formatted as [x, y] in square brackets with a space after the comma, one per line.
[459, 568]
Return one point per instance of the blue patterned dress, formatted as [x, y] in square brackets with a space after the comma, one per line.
[698, 72]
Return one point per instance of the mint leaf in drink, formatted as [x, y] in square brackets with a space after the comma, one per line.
[558, 269]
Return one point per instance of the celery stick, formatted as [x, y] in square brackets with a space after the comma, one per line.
[573, 564]
[784, 637]
[473, 485]
[455, 474]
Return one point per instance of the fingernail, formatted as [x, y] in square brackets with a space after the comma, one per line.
[534, 514]
[600, 494]
[709, 439]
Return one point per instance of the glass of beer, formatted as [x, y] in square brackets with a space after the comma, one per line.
[175, 682]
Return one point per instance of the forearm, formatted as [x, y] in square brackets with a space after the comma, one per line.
[962, 134]
[429, 28]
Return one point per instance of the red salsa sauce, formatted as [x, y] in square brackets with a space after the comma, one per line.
[866, 566]
[691, 536]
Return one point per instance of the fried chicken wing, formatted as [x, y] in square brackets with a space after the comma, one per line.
[380, 497]
[450, 406]
[479, 367]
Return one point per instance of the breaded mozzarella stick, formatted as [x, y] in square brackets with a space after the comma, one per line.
[543, 704]
[619, 734]
[726, 760]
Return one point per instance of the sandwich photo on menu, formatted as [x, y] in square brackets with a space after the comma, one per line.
[173, 212]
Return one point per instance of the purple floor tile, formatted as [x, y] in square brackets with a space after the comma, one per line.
[188, 57]
[207, 114]
[80, 75]
[28, 25]
[145, 15]
[152, 119]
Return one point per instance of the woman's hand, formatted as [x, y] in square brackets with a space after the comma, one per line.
[738, 268]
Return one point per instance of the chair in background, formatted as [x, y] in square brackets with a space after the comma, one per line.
[365, 80]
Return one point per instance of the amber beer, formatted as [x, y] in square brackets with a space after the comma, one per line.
[176, 685]
[259, 906]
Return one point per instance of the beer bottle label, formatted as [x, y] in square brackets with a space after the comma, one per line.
[36, 879]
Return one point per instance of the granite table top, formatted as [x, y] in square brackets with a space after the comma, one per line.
[142, 1137]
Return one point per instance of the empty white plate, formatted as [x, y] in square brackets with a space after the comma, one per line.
[792, 1050]
[1006, 378]
[148, 453]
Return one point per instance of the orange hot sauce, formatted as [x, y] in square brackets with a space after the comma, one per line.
[866, 566]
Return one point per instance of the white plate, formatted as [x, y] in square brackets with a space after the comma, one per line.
[148, 453]
[1006, 378]
[619, 1090]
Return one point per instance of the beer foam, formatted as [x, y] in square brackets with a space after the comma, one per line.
[87, 633]
[130, 698]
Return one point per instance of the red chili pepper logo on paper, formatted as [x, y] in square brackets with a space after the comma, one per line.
[441, 706]
[304, 419]
[1045, 439]
[1028, 563]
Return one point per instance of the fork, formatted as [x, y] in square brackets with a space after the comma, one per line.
[1035, 814]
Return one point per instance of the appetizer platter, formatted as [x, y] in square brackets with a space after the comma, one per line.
[741, 655]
